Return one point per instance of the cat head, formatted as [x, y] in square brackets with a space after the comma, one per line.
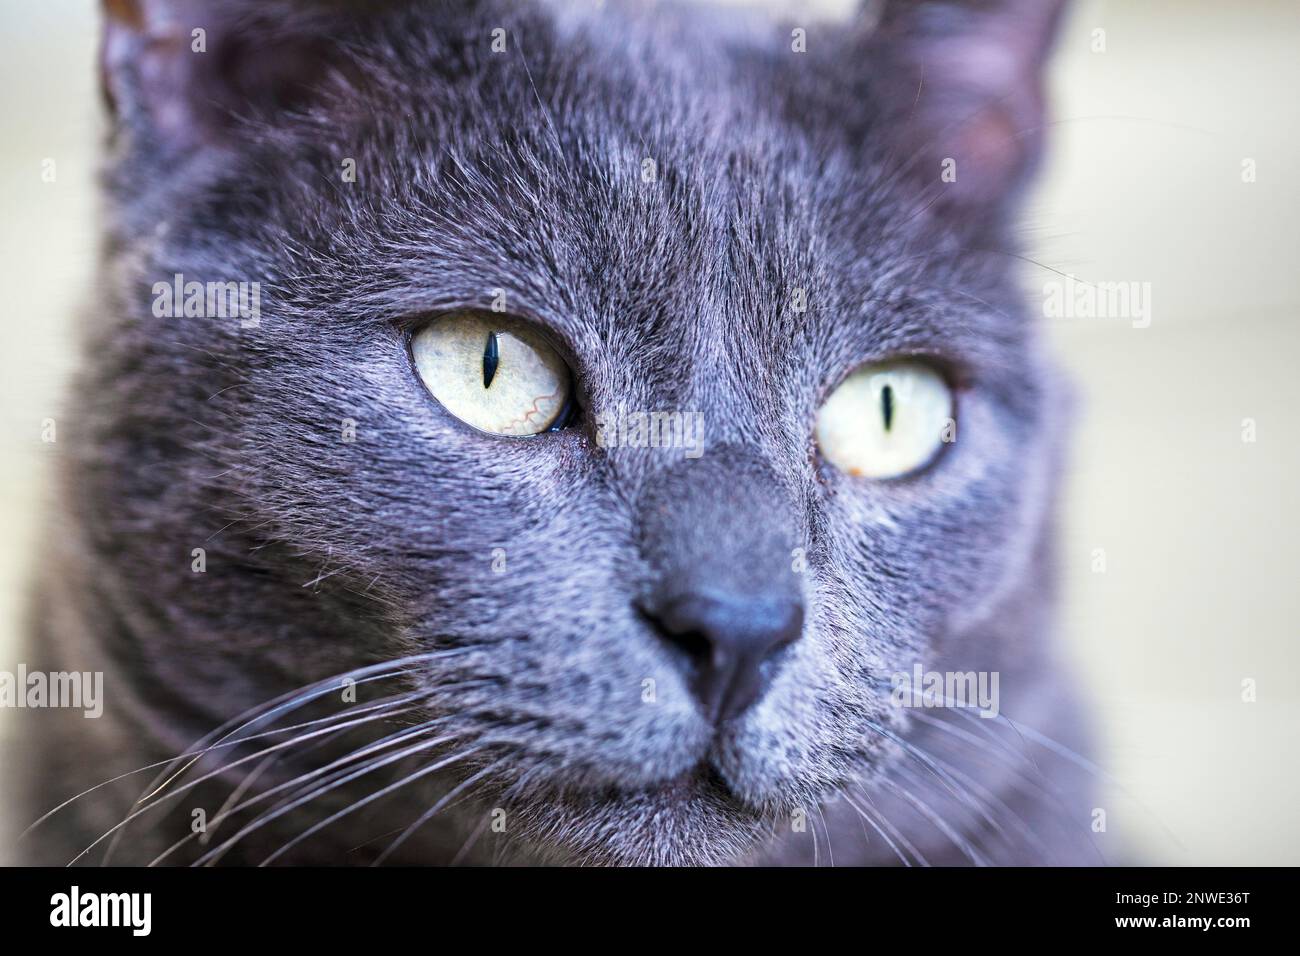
[659, 633]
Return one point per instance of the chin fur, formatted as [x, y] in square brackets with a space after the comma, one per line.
[686, 823]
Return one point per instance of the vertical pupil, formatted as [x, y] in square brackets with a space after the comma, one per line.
[887, 405]
[491, 358]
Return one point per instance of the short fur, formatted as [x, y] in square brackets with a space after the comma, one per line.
[522, 171]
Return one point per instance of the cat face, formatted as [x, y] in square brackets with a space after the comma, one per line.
[699, 220]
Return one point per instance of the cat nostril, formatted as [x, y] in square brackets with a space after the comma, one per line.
[731, 641]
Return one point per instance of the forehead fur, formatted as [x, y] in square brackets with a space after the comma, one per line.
[646, 182]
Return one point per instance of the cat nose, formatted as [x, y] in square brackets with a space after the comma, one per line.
[733, 643]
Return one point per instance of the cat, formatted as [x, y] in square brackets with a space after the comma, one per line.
[403, 639]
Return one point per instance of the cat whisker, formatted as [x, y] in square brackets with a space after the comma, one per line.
[830, 850]
[471, 841]
[326, 786]
[360, 753]
[140, 808]
[960, 842]
[424, 817]
[408, 779]
[1022, 757]
[869, 820]
[224, 810]
[983, 792]
[1022, 829]
[293, 700]
[1035, 783]
[252, 776]
[960, 793]
[169, 761]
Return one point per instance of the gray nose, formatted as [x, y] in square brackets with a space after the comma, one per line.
[733, 643]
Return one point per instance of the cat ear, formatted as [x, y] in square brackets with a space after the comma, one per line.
[970, 74]
[181, 72]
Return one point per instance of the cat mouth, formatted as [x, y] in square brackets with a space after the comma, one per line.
[693, 818]
[701, 780]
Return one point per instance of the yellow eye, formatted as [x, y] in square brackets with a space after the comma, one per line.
[492, 372]
[885, 420]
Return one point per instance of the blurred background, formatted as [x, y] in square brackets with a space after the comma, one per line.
[1160, 122]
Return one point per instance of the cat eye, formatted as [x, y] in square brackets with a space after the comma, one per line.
[493, 372]
[885, 420]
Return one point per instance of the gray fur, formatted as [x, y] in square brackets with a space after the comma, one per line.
[521, 171]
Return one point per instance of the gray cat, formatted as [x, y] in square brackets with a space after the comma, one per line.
[520, 432]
